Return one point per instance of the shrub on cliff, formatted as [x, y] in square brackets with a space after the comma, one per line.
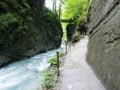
[14, 15]
[53, 25]
[15, 20]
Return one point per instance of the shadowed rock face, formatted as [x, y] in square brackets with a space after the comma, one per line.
[104, 45]
[70, 31]
[45, 34]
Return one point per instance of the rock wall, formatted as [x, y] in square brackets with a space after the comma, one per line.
[104, 41]
[70, 28]
[45, 33]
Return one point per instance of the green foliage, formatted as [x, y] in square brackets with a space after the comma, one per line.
[75, 9]
[49, 15]
[53, 61]
[48, 79]
[53, 25]
[57, 37]
[64, 31]
[7, 20]
[14, 16]
[75, 38]
[61, 54]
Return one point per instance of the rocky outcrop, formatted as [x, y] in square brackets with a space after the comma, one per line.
[45, 33]
[70, 29]
[104, 41]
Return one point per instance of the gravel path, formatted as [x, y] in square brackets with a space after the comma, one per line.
[76, 74]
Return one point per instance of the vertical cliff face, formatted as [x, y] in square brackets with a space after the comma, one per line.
[46, 28]
[104, 41]
[44, 31]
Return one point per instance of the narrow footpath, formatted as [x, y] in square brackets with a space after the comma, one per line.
[76, 74]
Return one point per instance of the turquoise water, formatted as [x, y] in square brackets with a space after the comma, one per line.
[26, 74]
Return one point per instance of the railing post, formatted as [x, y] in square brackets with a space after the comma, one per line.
[66, 46]
[57, 63]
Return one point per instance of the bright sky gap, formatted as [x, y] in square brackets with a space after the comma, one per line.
[49, 3]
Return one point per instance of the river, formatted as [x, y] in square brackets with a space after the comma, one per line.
[26, 74]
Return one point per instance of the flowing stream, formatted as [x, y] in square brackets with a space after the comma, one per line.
[26, 74]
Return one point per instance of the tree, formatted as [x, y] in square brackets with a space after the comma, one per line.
[75, 9]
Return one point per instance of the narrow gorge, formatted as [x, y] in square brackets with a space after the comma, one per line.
[85, 32]
[26, 29]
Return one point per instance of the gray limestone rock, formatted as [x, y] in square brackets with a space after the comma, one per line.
[104, 41]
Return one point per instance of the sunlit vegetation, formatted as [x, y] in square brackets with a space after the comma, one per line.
[75, 9]
[50, 75]
[64, 31]
[48, 79]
